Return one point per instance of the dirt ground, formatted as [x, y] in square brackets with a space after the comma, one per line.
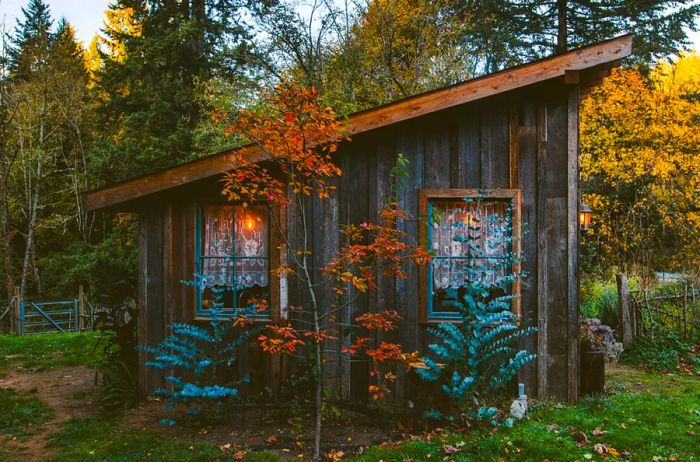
[270, 430]
[71, 392]
[68, 391]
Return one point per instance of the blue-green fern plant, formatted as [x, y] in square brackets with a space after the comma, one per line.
[196, 358]
[477, 356]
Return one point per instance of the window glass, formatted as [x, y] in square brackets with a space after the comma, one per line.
[469, 242]
[233, 256]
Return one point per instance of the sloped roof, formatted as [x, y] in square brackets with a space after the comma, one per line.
[601, 55]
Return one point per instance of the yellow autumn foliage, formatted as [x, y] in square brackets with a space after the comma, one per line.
[640, 167]
[120, 22]
[404, 47]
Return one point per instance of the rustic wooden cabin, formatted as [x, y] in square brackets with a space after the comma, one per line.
[513, 133]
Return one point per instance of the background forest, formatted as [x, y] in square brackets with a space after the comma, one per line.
[149, 90]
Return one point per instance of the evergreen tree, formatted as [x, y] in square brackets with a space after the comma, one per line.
[152, 87]
[32, 41]
[504, 33]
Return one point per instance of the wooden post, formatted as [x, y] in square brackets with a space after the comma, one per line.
[692, 311]
[81, 309]
[685, 313]
[16, 315]
[625, 318]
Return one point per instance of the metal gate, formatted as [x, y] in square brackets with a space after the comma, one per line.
[52, 316]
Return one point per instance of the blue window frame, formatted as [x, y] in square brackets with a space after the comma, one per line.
[471, 235]
[232, 257]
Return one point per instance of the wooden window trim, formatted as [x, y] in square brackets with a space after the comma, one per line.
[424, 198]
[277, 254]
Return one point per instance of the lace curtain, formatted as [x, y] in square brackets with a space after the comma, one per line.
[469, 241]
[235, 246]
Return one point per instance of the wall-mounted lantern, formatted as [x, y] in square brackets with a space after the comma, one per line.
[585, 217]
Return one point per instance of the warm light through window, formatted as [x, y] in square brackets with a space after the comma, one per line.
[249, 223]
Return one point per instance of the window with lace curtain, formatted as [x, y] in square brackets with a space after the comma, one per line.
[472, 236]
[232, 256]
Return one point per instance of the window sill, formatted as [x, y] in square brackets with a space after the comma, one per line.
[435, 322]
[259, 320]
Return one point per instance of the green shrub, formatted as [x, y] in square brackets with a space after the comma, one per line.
[119, 366]
[660, 353]
[599, 300]
[195, 359]
[476, 358]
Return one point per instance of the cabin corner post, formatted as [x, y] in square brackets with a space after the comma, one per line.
[141, 305]
[573, 242]
[541, 217]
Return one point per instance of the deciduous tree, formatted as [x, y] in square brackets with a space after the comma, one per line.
[298, 137]
[640, 167]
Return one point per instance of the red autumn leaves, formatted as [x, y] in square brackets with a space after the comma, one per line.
[293, 138]
[297, 136]
[372, 247]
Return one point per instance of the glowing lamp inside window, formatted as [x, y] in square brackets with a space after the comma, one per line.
[585, 217]
[249, 223]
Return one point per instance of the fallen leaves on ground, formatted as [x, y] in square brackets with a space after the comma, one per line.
[605, 450]
[334, 455]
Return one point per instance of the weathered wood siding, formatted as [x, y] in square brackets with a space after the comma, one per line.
[166, 257]
[524, 140]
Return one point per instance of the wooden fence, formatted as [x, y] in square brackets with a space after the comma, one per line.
[674, 307]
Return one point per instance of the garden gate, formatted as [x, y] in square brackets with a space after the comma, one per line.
[40, 317]
[51, 316]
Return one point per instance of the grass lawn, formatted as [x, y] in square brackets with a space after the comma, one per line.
[103, 438]
[19, 412]
[649, 417]
[646, 417]
[47, 351]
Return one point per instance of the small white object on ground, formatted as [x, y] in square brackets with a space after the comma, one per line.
[519, 407]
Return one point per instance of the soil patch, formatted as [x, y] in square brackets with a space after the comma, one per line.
[68, 391]
[270, 429]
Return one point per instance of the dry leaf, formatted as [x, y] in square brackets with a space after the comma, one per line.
[272, 439]
[334, 455]
[598, 432]
[581, 439]
[449, 449]
[239, 455]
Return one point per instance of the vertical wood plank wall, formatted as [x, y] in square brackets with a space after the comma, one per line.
[166, 257]
[526, 140]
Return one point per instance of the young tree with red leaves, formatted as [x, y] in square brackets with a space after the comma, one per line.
[297, 136]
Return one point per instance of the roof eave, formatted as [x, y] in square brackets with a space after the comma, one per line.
[608, 52]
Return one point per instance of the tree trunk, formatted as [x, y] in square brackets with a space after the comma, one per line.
[4, 213]
[562, 36]
[318, 359]
[33, 204]
[5, 120]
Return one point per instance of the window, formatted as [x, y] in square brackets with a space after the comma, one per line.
[232, 256]
[472, 235]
